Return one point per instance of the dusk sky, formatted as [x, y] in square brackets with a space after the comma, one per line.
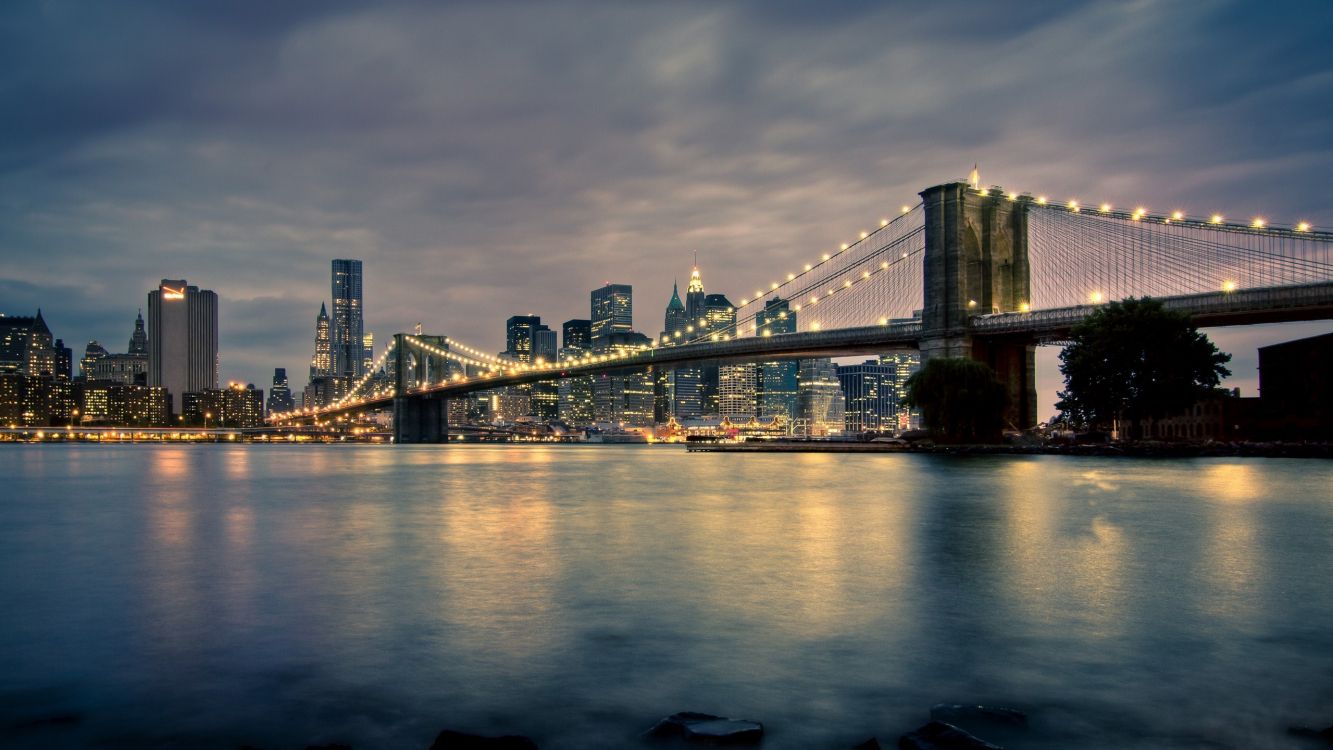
[497, 158]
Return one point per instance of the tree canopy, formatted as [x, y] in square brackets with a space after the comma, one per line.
[960, 399]
[1133, 360]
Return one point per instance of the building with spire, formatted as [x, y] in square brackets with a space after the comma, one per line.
[139, 339]
[26, 345]
[676, 392]
[321, 364]
[696, 306]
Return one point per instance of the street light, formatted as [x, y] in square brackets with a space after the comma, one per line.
[74, 415]
[207, 414]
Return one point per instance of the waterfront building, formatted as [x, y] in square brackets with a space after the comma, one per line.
[234, 406]
[347, 326]
[93, 399]
[324, 391]
[623, 398]
[677, 391]
[820, 406]
[509, 404]
[612, 311]
[575, 394]
[720, 320]
[905, 363]
[871, 396]
[182, 338]
[777, 381]
[91, 353]
[137, 406]
[280, 395]
[737, 389]
[321, 364]
[35, 400]
[26, 345]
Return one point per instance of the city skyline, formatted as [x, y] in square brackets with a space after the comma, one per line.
[628, 193]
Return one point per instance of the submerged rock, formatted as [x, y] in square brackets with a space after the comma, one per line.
[692, 726]
[955, 713]
[938, 735]
[451, 740]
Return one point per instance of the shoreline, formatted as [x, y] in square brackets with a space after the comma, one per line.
[1133, 450]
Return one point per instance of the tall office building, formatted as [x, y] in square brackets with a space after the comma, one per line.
[623, 398]
[820, 406]
[347, 329]
[696, 309]
[519, 334]
[677, 391]
[26, 345]
[280, 395]
[736, 390]
[904, 364]
[612, 310]
[367, 352]
[575, 394]
[321, 364]
[91, 353]
[720, 320]
[577, 335]
[182, 339]
[777, 380]
[64, 360]
[139, 339]
[871, 396]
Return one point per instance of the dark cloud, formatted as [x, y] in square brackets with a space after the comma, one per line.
[487, 159]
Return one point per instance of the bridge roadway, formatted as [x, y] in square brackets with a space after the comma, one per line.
[1241, 307]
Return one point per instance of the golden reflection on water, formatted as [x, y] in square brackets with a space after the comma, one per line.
[1065, 554]
[1232, 561]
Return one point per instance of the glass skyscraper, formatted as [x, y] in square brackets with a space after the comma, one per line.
[777, 380]
[612, 310]
[347, 332]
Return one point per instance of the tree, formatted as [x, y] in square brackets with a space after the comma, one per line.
[960, 399]
[1133, 360]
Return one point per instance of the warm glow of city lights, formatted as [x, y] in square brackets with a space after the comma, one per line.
[1217, 219]
[1228, 286]
[1304, 226]
[1258, 222]
[1105, 208]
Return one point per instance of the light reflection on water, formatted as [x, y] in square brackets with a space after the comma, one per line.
[279, 595]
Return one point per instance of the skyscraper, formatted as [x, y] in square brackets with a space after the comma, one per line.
[677, 391]
[777, 380]
[820, 406]
[904, 364]
[91, 353]
[871, 396]
[348, 325]
[736, 390]
[26, 345]
[64, 360]
[519, 334]
[280, 395]
[696, 308]
[367, 352]
[182, 339]
[612, 310]
[720, 320]
[576, 393]
[321, 364]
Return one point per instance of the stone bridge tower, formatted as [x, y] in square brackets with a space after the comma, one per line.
[976, 263]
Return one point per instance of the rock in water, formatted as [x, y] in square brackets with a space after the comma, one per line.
[451, 740]
[692, 726]
[954, 713]
[940, 736]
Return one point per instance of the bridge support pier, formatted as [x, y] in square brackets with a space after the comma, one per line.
[420, 419]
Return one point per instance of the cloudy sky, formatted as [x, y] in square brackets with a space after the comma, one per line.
[496, 158]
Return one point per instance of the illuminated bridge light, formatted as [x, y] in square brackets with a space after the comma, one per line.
[1216, 219]
[843, 246]
[1304, 226]
[885, 264]
[907, 209]
[864, 234]
[884, 222]
[814, 326]
[774, 285]
[808, 266]
[1041, 200]
[1073, 206]
[1095, 297]
[1177, 215]
[1139, 213]
[825, 256]
[1024, 307]
[1228, 286]
[1258, 222]
[1105, 208]
[791, 277]
[883, 321]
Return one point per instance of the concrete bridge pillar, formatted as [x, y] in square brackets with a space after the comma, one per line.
[976, 263]
[420, 419]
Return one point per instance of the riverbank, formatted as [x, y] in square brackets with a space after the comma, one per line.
[1142, 449]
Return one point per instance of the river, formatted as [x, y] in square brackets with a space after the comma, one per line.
[279, 596]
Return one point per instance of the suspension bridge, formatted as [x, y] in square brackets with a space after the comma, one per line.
[968, 271]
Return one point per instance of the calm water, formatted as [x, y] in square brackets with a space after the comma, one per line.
[209, 596]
